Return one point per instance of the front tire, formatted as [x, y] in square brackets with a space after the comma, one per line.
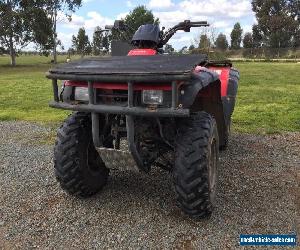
[78, 166]
[196, 162]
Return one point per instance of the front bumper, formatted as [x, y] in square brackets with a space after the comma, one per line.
[119, 110]
[129, 110]
[174, 111]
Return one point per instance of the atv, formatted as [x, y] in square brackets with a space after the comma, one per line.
[145, 110]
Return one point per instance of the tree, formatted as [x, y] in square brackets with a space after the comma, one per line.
[248, 41]
[236, 36]
[278, 21]
[257, 36]
[192, 47]
[2, 50]
[81, 43]
[88, 49]
[169, 49]
[137, 17]
[52, 8]
[97, 41]
[105, 42]
[23, 22]
[183, 50]
[212, 35]
[204, 42]
[221, 42]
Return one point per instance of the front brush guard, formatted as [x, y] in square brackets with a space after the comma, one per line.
[130, 111]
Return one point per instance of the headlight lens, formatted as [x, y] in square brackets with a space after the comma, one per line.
[81, 94]
[153, 97]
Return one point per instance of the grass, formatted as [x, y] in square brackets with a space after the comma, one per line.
[268, 98]
[29, 60]
[25, 92]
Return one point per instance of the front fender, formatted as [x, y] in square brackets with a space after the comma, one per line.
[203, 93]
[189, 91]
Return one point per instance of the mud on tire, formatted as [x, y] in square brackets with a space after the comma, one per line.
[78, 167]
[196, 162]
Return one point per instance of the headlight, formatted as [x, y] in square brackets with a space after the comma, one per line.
[153, 97]
[81, 94]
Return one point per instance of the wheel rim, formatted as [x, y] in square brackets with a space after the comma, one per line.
[212, 172]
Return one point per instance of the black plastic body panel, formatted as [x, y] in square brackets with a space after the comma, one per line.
[190, 98]
[229, 99]
[147, 32]
[220, 107]
[120, 48]
[190, 90]
[234, 77]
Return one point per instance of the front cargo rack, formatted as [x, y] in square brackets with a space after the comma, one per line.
[158, 68]
[130, 71]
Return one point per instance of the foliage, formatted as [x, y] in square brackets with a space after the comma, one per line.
[169, 49]
[137, 17]
[23, 22]
[81, 43]
[236, 36]
[248, 41]
[257, 37]
[221, 42]
[183, 50]
[192, 47]
[32, 21]
[105, 42]
[204, 42]
[278, 22]
[52, 8]
[97, 41]
[248, 45]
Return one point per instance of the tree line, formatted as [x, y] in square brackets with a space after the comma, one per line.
[82, 45]
[278, 27]
[24, 22]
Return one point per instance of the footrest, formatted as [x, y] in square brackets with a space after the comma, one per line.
[117, 159]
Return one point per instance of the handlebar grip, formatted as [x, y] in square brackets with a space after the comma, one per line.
[199, 23]
[109, 27]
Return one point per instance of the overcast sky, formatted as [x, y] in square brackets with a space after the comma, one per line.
[221, 14]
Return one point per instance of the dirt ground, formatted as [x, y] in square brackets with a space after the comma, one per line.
[258, 193]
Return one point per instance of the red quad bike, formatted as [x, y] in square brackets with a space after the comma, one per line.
[145, 110]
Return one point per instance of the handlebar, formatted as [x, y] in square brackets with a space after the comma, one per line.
[185, 26]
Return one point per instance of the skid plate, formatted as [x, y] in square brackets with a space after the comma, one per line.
[117, 159]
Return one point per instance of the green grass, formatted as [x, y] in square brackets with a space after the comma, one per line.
[28, 60]
[25, 92]
[268, 97]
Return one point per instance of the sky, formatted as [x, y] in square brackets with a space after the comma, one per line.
[221, 14]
